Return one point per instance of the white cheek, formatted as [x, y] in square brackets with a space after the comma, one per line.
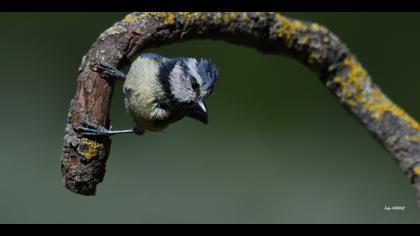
[192, 68]
[179, 85]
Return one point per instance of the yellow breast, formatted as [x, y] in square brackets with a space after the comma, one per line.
[145, 92]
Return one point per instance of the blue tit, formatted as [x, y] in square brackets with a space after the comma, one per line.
[159, 91]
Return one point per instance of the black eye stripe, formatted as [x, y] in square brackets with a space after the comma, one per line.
[163, 75]
[194, 84]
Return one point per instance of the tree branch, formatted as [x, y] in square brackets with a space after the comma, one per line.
[83, 159]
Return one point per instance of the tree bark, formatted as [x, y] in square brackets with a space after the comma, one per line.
[83, 159]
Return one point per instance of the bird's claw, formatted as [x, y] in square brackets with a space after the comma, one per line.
[108, 71]
[90, 129]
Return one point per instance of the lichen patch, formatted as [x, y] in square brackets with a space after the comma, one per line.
[357, 91]
[88, 148]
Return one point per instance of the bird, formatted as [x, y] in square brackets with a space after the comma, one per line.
[159, 91]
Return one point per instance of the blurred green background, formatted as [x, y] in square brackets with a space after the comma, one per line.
[278, 147]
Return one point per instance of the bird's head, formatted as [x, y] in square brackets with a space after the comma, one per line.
[188, 83]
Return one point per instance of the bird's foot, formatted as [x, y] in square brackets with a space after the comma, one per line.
[109, 72]
[90, 129]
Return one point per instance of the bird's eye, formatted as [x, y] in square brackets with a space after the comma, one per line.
[194, 84]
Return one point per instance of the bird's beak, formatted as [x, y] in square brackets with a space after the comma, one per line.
[199, 112]
[202, 105]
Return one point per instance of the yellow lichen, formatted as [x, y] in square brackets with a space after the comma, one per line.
[313, 57]
[170, 18]
[315, 27]
[244, 16]
[412, 138]
[218, 18]
[288, 27]
[135, 17]
[303, 40]
[190, 16]
[114, 30]
[167, 17]
[89, 148]
[129, 19]
[204, 17]
[417, 170]
[228, 16]
[358, 92]
[184, 15]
